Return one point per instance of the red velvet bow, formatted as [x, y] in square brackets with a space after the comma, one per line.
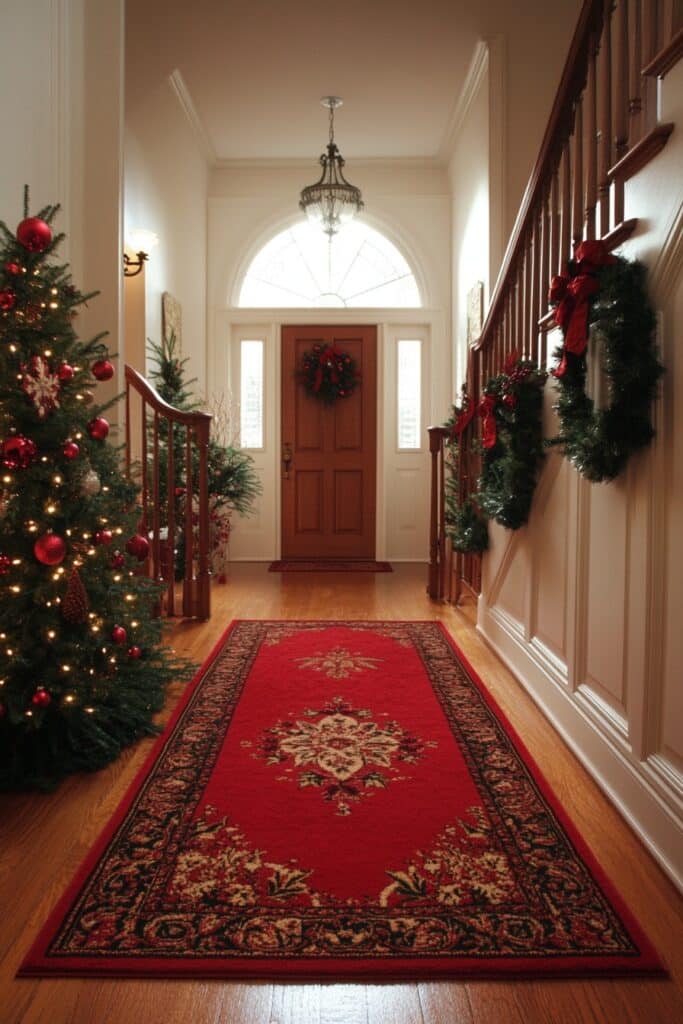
[488, 420]
[328, 355]
[572, 295]
[464, 418]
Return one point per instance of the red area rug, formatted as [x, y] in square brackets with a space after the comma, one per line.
[339, 800]
[329, 565]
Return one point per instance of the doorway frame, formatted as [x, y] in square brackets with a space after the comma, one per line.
[227, 323]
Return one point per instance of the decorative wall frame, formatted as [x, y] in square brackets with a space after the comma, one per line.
[172, 320]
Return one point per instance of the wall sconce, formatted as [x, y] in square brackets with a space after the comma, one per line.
[140, 241]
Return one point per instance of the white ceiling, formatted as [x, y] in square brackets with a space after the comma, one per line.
[256, 69]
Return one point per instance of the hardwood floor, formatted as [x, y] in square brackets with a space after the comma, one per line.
[43, 839]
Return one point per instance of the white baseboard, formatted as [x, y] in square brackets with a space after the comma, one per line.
[623, 778]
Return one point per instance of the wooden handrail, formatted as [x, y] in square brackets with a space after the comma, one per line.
[196, 592]
[602, 129]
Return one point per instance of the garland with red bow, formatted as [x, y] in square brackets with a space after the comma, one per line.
[465, 525]
[604, 297]
[328, 373]
[512, 441]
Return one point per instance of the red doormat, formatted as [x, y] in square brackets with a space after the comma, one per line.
[339, 800]
[329, 565]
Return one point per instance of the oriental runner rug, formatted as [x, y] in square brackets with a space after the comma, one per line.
[339, 800]
[329, 565]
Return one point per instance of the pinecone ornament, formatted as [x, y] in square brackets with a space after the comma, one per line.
[75, 604]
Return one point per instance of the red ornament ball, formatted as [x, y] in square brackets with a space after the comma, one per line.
[178, 491]
[5, 565]
[103, 369]
[138, 546]
[34, 234]
[103, 537]
[71, 450]
[41, 698]
[134, 651]
[118, 561]
[65, 372]
[12, 268]
[49, 549]
[8, 299]
[118, 635]
[98, 428]
[18, 452]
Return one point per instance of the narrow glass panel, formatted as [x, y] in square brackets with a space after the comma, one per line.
[409, 389]
[251, 394]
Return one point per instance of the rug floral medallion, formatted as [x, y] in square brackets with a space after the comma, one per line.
[335, 799]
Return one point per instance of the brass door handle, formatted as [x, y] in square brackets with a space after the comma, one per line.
[286, 458]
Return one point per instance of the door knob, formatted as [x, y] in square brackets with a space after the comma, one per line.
[286, 458]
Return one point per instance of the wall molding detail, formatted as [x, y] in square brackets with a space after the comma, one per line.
[651, 810]
[476, 71]
[182, 94]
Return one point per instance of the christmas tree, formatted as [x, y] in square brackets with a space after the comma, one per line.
[82, 668]
[233, 483]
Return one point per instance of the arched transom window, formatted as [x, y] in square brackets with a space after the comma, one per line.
[360, 267]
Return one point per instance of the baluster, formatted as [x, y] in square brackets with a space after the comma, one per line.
[435, 442]
[128, 430]
[591, 141]
[528, 313]
[143, 522]
[565, 231]
[555, 243]
[156, 521]
[648, 50]
[442, 520]
[577, 183]
[620, 86]
[605, 121]
[535, 274]
[170, 477]
[635, 80]
[188, 581]
[519, 307]
[202, 603]
[544, 279]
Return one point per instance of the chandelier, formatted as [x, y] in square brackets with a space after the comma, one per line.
[331, 201]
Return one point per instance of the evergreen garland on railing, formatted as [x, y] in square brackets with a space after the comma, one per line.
[465, 526]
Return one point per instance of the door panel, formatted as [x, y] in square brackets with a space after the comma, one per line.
[328, 487]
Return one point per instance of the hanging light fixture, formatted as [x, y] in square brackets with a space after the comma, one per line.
[331, 201]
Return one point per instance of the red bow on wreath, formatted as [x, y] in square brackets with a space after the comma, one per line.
[571, 293]
[327, 357]
[488, 420]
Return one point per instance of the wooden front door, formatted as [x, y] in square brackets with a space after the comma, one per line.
[328, 487]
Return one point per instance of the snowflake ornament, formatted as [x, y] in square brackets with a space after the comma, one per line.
[41, 385]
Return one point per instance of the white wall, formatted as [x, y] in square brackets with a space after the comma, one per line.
[584, 604]
[165, 191]
[407, 201]
[61, 64]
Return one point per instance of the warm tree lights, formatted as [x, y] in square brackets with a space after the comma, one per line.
[67, 517]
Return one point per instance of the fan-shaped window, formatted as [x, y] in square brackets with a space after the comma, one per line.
[359, 267]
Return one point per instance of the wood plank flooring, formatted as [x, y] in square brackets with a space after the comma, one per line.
[43, 838]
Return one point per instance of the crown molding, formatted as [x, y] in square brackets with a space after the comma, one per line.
[475, 73]
[186, 103]
[407, 163]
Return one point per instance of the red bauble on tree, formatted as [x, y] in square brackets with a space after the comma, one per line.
[65, 372]
[138, 546]
[118, 561]
[71, 450]
[134, 652]
[102, 369]
[98, 428]
[103, 537]
[41, 698]
[8, 299]
[50, 549]
[5, 565]
[18, 452]
[118, 635]
[12, 268]
[34, 234]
